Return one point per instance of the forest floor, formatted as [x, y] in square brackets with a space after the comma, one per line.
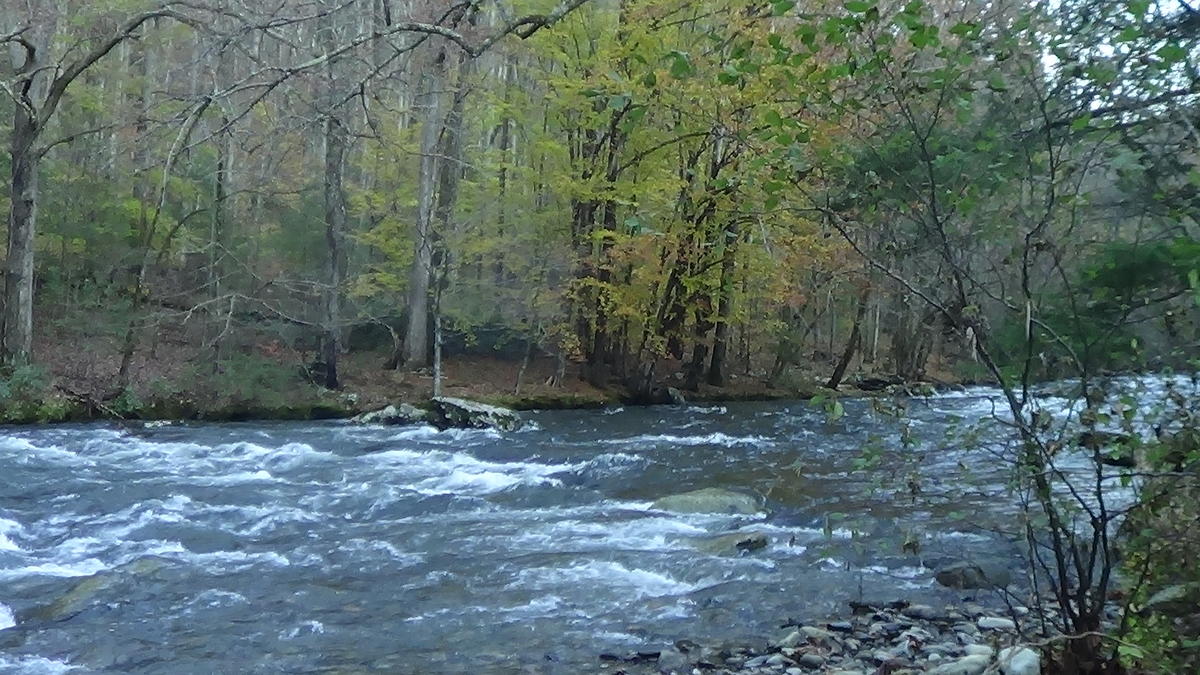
[255, 378]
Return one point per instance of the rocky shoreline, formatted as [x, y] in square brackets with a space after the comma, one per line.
[895, 638]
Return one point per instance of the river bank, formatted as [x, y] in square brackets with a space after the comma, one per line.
[896, 638]
[274, 389]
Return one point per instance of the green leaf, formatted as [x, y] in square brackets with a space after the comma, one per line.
[618, 102]
[858, 6]
[1171, 53]
[681, 65]
[965, 29]
[781, 7]
[1129, 34]
[773, 118]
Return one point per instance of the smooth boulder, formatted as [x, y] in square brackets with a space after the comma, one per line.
[709, 500]
[1020, 661]
[459, 413]
[393, 415]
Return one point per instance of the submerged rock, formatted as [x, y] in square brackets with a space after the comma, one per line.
[83, 594]
[973, 575]
[393, 415]
[459, 413]
[734, 544]
[709, 500]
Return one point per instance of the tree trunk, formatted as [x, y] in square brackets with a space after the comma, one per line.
[335, 234]
[852, 344]
[716, 369]
[416, 341]
[22, 223]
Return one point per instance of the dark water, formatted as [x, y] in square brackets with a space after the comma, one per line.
[332, 548]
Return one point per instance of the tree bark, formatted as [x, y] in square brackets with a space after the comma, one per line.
[22, 223]
[335, 234]
[716, 369]
[416, 340]
[843, 363]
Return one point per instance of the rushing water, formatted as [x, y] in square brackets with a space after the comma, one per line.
[335, 548]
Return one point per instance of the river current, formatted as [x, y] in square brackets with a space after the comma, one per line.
[329, 547]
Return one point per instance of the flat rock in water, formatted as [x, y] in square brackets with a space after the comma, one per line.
[734, 544]
[393, 415]
[459, 413]
[709, 500]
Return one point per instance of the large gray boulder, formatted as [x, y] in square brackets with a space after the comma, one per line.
[974, 575]
[709, 500]
[459, 413]
[393, 415]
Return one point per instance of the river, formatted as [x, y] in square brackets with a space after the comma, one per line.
[328, 547]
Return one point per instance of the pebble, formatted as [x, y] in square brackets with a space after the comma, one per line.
[812, 661]
[756, 662]
[792, 639]
[979, 650]
[996, 623]
[968, 665]
[924, 612]
[817, 634]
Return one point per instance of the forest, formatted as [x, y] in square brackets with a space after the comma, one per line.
[212, 197]
[237, 210]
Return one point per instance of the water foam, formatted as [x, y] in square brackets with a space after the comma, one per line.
[717, 438]
[637, 582]
[34, 665]
[440, 472]
[6, 617]
[9, 527]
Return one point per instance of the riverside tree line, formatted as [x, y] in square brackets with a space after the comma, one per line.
[637, 186]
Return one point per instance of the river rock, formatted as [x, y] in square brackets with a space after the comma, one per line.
[815, 634]
[973, 575]
[967, 665]
[924, 613]
[709, 500]
[392, 415]
[996, 623]
[792, 639]
[979, 650]
[1019, 661]
[734, 544]
[459, 413]
[676, 396]
[811, 661]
